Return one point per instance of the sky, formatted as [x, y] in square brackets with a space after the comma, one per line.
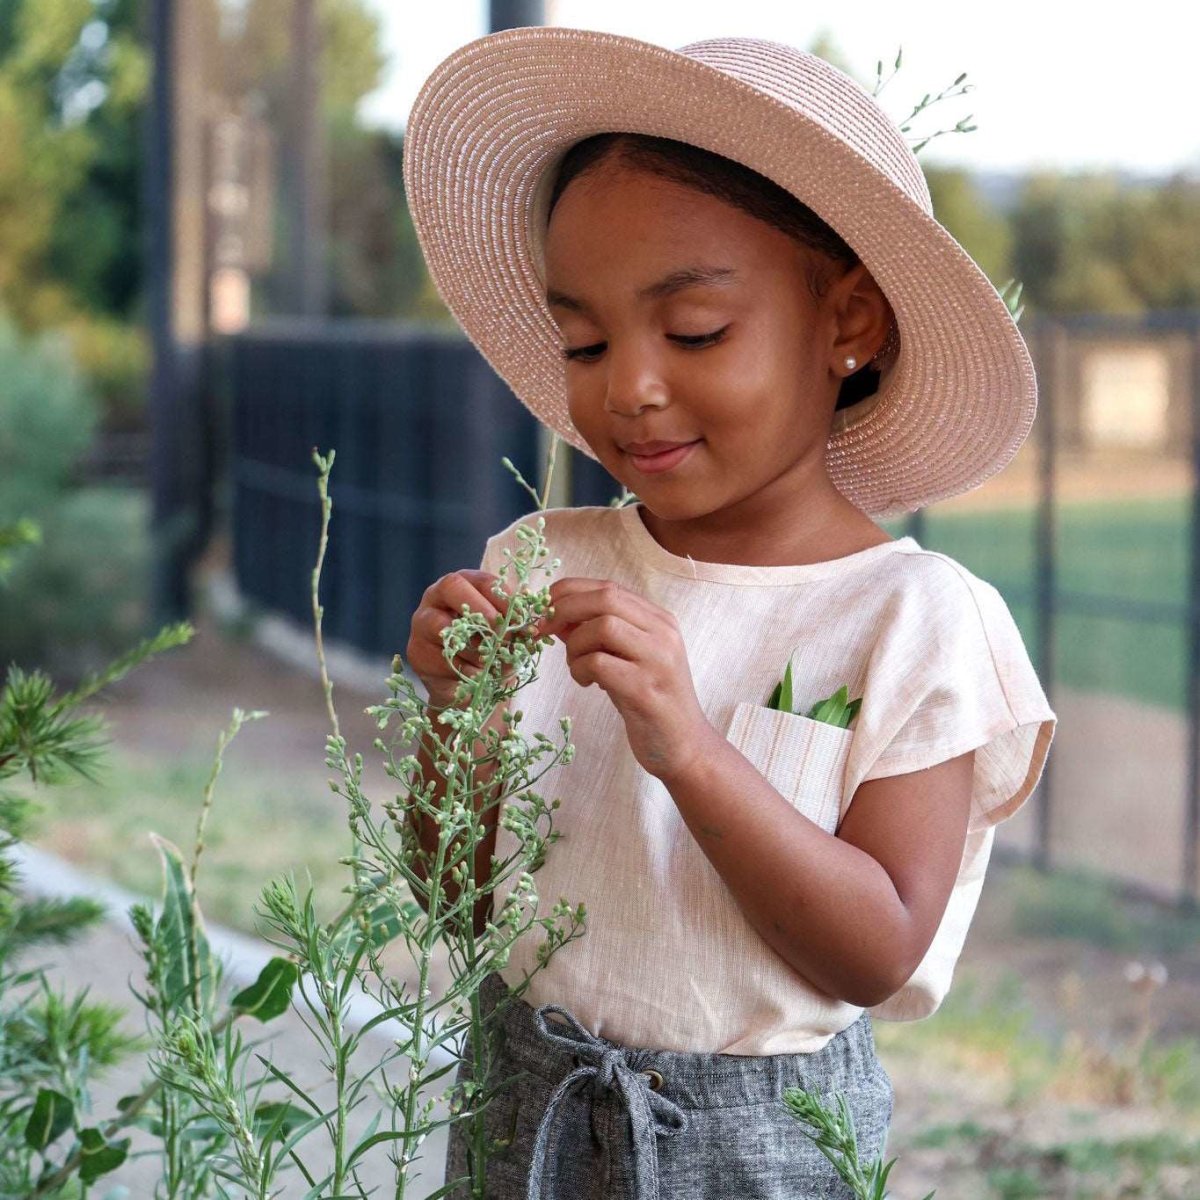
[1056, 84]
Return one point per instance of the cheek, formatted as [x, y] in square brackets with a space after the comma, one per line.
[585, 407]
[580, 408]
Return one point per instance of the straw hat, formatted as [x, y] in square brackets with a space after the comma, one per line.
[492, 122]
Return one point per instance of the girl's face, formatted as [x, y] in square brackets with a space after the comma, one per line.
[684, 319]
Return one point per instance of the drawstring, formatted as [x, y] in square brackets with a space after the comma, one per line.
[650, 1114]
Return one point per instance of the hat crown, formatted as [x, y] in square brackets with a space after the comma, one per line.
[807, 83]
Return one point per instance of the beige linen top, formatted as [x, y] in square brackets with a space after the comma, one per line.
[668, 961]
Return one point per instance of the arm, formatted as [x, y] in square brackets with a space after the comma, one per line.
[853, 913]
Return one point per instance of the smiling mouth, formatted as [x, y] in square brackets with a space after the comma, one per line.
[663, 461]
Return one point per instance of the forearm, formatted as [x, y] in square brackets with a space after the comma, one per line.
[427, 829]
[826, 907]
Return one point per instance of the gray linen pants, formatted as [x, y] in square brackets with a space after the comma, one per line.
[587, 1118]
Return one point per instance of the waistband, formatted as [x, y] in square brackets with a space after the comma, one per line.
[658, 1087]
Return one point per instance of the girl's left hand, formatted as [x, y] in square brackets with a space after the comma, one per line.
[634, 651]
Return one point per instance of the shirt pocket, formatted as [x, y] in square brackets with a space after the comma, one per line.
[802, 759]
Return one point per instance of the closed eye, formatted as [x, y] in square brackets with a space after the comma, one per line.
[690, 342]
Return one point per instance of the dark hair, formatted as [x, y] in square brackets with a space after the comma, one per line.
[716, 175]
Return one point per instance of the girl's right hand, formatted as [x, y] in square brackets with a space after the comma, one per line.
[441, 602]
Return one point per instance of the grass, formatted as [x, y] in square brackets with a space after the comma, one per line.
[1131, 550]
[1065, 1053]
[1088, 907]
[1029, 1142]
[1086, 1167]
[262, 825]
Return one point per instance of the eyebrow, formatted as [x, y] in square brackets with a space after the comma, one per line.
[668, 285]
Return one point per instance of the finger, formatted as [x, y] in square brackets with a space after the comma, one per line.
[472, 588]
[612, 634]
[617, 676]
[600, 597]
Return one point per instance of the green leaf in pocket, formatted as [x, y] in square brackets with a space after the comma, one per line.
[781, 697]
[837, 709]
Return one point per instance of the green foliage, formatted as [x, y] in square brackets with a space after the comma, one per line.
[80, 597]
[1089, 907]
[832, 1132]
[223, 1122]
[50, 1118]
[1090, 243]
[51, 1044]
[12, 537]
[40, 734]
[188, 977]
[69, 174]
[83, 596]
[984, 233]
[376, 268]
[114, 356]
[270, 994]
[95, 247]
[837, 709]
[47, 421]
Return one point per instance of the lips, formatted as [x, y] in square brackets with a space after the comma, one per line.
[644, 448]
[665, 460]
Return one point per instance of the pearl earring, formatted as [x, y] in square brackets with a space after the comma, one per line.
[851, 363]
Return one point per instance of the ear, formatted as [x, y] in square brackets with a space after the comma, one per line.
[862, 317]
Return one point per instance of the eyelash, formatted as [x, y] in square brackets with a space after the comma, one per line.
[700, 342]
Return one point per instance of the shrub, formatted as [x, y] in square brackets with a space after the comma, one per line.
[79, 598]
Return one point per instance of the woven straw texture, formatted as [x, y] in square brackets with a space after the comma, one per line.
[493, 120]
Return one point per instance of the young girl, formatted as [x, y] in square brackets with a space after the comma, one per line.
[715, 270]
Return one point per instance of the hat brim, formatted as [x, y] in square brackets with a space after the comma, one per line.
[961, 396]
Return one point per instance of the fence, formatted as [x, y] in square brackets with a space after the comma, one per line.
[419, 423]
[1091, 534]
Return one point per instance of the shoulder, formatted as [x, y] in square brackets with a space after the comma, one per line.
[937, 594]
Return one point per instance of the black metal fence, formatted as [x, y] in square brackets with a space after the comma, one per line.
[1068, 533]
[419, 423]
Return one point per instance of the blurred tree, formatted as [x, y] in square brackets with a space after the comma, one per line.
[1164, 243]
[95, 248]
[980, 230]
[74, 76]
[1092, 243]
[376, 265]
[46, 152]
[256, 49]
[374, 262]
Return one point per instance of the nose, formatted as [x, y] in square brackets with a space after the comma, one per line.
[634, 382]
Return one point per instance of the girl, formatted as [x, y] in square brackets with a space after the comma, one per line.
[716, 271]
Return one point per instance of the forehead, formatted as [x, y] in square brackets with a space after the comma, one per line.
[628, 224]
[638, 201]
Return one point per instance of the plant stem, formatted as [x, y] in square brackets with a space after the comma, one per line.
[324, 465]
[50, 1183]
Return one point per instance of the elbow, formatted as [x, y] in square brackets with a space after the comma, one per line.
[883, 978]
[869, 992]
[887, 983]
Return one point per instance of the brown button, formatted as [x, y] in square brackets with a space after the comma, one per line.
[655, 1079]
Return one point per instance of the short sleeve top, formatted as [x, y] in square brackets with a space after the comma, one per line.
[667, 960]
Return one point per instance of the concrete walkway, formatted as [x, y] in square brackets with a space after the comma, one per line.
[107, 962]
